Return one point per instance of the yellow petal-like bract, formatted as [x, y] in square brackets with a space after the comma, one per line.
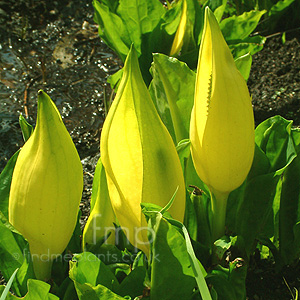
[102, 218]
[46, 188]
[181, 30]
[222, 122]
[139, 157]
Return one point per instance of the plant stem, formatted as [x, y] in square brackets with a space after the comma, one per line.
[42, 267]
[218, 213]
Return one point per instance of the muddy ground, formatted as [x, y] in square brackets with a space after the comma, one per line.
[54, 46]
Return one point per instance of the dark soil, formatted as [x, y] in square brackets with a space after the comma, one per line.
[274, 80]
[54, 45]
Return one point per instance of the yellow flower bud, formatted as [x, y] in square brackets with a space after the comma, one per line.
[222, 122]
[180, 32]
[102, 218]
[139, 156]
[46, 188]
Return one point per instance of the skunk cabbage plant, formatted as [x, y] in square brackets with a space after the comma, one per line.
[139, 157]
[46, 188]
[222, 122]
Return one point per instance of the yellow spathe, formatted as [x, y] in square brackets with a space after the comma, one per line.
[180, 32]
[222, 122]
[139, 157]
[46, 188]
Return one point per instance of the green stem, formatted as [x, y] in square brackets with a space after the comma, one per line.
[42, 267]
[218, 213]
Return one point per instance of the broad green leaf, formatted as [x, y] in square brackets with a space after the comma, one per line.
[198, 270]
[278, 8]
[230, 283]
[218, 279]
[65, 290]
[171, 18]
[14, 254]
[133, 284]
[244, 63]
[86, 268]
[273, 136]
[251, 44]
[289, 213]
[140, 17]
[37, 290]
[276, 12]
[27, 129]
[5, 182]
[112, 29]
[88, 292]
[172, 90]
[239, 27]
[296, 138]
[170, 263]
[253, 211]
[198, 24]
[112, 4]
[219, 10]
[260, 166]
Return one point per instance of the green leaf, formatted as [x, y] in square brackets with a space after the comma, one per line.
[10, 281]
[170, 263]
[190, 174]
[140, 17]
[171, 18]
[239, 27]
[251, 44]
[198, 270]
[278, 8]
[112, 4]
[289, 213]
[87, 268]
[14, 253]
[183, 150]
[244, 63]
[253, 212]
[172, 90]
[5, 182]
[37, 290]
[114, 80]
[190, 218]
[218, 278]
[88, 292]
[112, 29]
[201, 204]
[274, 137]
[133, 284]
[276, 13]
[26, 128]
[230, 283]
[219, 10]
